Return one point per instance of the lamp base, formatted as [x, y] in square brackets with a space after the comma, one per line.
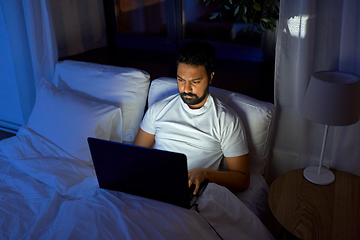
[324, 178]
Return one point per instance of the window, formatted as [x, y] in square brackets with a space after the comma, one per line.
[164, 25]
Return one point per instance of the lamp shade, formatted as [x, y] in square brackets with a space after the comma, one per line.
[332, 98]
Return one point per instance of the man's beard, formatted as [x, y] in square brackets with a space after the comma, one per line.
[194, 100]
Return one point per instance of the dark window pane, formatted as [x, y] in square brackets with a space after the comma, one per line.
[197, 24]
[143, 17]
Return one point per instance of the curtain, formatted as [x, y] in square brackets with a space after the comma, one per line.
[61, 28]
[313, 35]
[29, 47]
[79, 25]
[28, 53]
[41, 36]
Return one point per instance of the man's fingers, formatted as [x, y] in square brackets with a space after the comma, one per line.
[197, 187]
[196, 176]
[190, 183]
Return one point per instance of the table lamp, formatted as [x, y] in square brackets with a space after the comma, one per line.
[332, 99]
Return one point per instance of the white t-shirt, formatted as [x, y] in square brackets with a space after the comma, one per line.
[204, 135]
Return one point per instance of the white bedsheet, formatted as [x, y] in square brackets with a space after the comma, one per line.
[47, 194]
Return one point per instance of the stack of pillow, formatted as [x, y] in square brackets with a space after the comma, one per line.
[89, 100]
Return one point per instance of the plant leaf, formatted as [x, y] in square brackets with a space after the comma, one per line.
[271, 27]
[214, 15]
[236, 10]
[244, 18]
[262, 27]
[257, 7]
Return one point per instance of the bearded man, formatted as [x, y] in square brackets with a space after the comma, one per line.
[198, 125]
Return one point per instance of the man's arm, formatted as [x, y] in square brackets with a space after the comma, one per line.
[144, 139]
[237, 178]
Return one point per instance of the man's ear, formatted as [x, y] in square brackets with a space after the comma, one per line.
[211, 77]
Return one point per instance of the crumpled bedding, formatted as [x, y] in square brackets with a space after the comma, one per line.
[46, 193]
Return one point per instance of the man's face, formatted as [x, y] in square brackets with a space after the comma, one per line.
[193, 84]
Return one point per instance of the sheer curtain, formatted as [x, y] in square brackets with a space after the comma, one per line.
[29, 47]
[79, 25]
[41, 36]
[313, 35]
[28, 52]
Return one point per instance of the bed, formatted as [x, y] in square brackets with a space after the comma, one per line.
[48, 187]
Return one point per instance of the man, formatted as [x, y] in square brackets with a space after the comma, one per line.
[198, 125]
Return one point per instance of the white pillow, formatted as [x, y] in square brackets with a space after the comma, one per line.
[67, 120]
[126, 88]
[256, 116]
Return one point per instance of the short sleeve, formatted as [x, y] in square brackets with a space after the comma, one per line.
[148, 122]
[233, 139]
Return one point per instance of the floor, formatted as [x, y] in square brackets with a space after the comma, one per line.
[255, 79]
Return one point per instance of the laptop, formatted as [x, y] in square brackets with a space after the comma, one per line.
[146, 172]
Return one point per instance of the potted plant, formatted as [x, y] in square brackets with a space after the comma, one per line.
[260, 15]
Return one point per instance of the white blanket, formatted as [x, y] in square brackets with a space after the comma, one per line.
[47, 194]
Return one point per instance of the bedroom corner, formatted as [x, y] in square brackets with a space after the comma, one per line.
[111, 77]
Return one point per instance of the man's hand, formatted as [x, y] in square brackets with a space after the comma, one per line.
[196, 176]
[236, 178]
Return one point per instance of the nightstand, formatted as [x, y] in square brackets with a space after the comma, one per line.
[310, 211]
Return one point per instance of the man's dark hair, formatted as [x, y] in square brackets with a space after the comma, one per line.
[197, 53]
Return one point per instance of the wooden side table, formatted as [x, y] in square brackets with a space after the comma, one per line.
[311, 211]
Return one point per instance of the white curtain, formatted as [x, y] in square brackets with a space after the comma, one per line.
[41, 36]
[28, 52]
[61, 28]
[29, 47]
[313, 35]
